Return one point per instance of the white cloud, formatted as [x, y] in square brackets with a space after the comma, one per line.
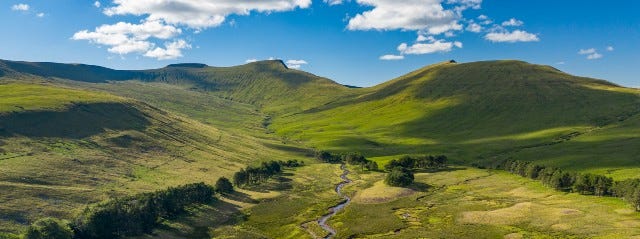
[332, 2]
[474, 27]
[199, 14]
[20, 7]
[512, 23]
[560, 63]
[124, 38]
[391, 57]
[422, 38]
[592, 53]
[511, 37]
[610, 48]
[40, 14]
[172, 50]
[416, 15]
[428, 48]
[296, 64]
[587, 51]
[594, 56]
[97, 4]
[483, 17]
[465, 4]
[251, 60]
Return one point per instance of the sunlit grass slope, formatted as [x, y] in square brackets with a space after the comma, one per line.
[63, 148]
[470, 111]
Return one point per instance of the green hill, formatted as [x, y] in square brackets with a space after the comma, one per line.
[62, 148]
[72, 134]
[473, 111]
[267, 84]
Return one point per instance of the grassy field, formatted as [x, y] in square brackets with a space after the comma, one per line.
[479, 111]
[76, 134]
[83, 147]
[474, 203]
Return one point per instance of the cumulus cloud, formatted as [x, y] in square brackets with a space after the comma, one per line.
[163, 20]
[124, 38]
[512, 23]
[428, 48]
[592, 53]
[332, 2]
[511, 37]
[391, 57]
[587, 51]
[462, 5]
[474, 27]
[416, 15]
[610, 48]
[251, 60]
[20, 7]
[199, 14]
[296, 64]
[172, 50]
[594, 56]
[40, 14]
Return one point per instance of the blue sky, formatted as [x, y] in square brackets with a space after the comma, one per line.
[357, 42]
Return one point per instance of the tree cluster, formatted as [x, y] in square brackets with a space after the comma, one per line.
[349, 158]
[358, 159]
[582, 183]
[399, 177]
[252, 175]
[421, 162]
[400, 170]
[138, 214]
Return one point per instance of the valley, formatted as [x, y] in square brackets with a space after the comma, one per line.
[74, 135]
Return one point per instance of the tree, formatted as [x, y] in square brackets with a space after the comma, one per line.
[240, 178]
[49, 228]
[223, 185]
[399, 177]
[371, 166]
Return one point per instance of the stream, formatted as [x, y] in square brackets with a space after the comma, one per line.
[335, 209]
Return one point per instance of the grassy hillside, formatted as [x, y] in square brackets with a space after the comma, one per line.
[471, 111]
[62, 148]
[267, 84]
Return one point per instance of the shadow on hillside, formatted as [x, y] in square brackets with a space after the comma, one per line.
[200, 221]
[278, 183]
[420, 187]
[79, 121]
[240, 197]
[437, 170]
[291, 149]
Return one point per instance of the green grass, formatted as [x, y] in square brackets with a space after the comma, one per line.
[19, 97]
[76, 134]
[83, 147]
[478, 203]
[473, 111]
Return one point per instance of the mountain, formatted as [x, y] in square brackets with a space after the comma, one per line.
[72, 134]
[62, 148]
[262, 83]
[473, 111]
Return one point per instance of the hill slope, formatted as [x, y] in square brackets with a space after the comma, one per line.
[263, 83]
[61, 148]
[472, 111]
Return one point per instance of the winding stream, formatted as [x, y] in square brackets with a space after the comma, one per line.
[334, 210]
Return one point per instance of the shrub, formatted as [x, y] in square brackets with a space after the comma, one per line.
[49, 228]
[223, 185]
[399, 177]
